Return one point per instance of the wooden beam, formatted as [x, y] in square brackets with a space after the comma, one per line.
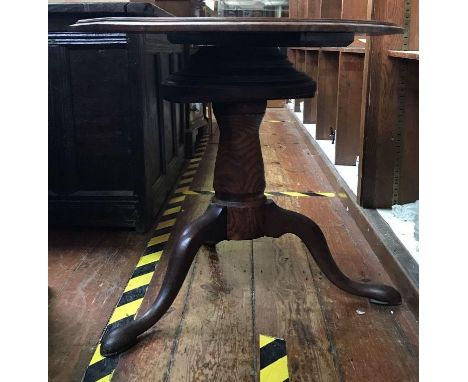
[378, 144]
[348, 118]
[327, 85]
[311, 69]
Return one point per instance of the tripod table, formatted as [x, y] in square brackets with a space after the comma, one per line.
[238, 67]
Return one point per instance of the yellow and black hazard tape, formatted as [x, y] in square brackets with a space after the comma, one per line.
[302, 194]
[100, 369]
[273, 359]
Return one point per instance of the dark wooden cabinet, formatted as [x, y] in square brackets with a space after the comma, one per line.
[115, 146]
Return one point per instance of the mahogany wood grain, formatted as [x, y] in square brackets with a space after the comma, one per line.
[332, 23]
[327, 83]
[239, 173]
[348, 118]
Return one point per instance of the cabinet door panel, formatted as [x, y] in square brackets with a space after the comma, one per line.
[101, 135]
[167, 122]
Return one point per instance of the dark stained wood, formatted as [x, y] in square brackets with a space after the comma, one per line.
[233, 24]
[179, 8]
[348, 116]
[239, 209]
[327, 83]
[240, 153]
[377, 153]
[236, 73]
[115, 146]
[311, 69]
[414, 26]
[409, 172]
[65, 13]
[239, 180]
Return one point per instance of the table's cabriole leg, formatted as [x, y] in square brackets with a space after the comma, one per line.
[279, 221]
[210, 227]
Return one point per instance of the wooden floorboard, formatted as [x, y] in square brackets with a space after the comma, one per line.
[236, 292]
[88, 270]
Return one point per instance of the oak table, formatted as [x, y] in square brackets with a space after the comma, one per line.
[238, 67]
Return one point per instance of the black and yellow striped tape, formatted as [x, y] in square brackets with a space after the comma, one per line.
[100, 369]
[302, 194]
[273, 359]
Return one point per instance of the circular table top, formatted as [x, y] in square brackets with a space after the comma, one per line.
[235, 24]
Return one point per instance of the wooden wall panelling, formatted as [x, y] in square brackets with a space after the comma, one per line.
[377, 153]
[348, 116]
[409, 169]
[301, 8]
[354, 9]
[293, 6]
[330, 9]
[312, 9]
[327, 84]
[300, 65]
[181, 8]
[311, 69]
[414, 26]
